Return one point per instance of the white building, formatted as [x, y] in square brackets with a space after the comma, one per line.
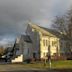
[39, 42]
[44, 38]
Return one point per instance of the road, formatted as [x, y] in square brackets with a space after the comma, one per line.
[22, 68]
[17, 68]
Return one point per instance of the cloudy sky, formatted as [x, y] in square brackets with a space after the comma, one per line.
[15, 14]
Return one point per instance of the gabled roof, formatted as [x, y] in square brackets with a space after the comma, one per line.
[26, 38]
[51, 31]
[57, 34]
[42, 30]
[54, 32]
[47, 30]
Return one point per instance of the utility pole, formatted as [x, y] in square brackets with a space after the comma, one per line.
[45, 59]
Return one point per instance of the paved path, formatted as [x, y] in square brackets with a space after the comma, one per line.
[17, 67]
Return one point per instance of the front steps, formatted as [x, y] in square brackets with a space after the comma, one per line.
[18, 59]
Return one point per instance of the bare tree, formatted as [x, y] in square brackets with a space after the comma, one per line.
[69, 21]
[2, 50]
[63, 24]
[60, 25]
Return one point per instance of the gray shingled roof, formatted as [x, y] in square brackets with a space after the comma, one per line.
[56, 33]
[51, 31]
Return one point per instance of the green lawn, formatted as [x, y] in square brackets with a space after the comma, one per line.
[62, 64]
[54, 65]
[39, 65]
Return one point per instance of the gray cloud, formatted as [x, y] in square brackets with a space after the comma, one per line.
[14, 14]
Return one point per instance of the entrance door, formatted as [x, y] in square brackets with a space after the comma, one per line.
[34, 55]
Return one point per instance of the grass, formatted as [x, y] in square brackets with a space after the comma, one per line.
[54, 65]
[62, 64]
[40, 65]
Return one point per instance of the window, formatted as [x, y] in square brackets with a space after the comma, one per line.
[44, 42]
[54, 43]
[45, 54]
[34, 55]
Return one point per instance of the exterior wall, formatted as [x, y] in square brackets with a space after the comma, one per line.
[54, 45]
[38, 44]
[18, 46]
[27, 51]
[34, 35]
[38, 47]
[54, 48]
[44, 46]
[24, 50]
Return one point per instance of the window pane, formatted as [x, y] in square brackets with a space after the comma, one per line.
[44, 42]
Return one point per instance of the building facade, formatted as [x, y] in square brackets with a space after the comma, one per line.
[23, 49]
[42, 39]
[39, 43]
